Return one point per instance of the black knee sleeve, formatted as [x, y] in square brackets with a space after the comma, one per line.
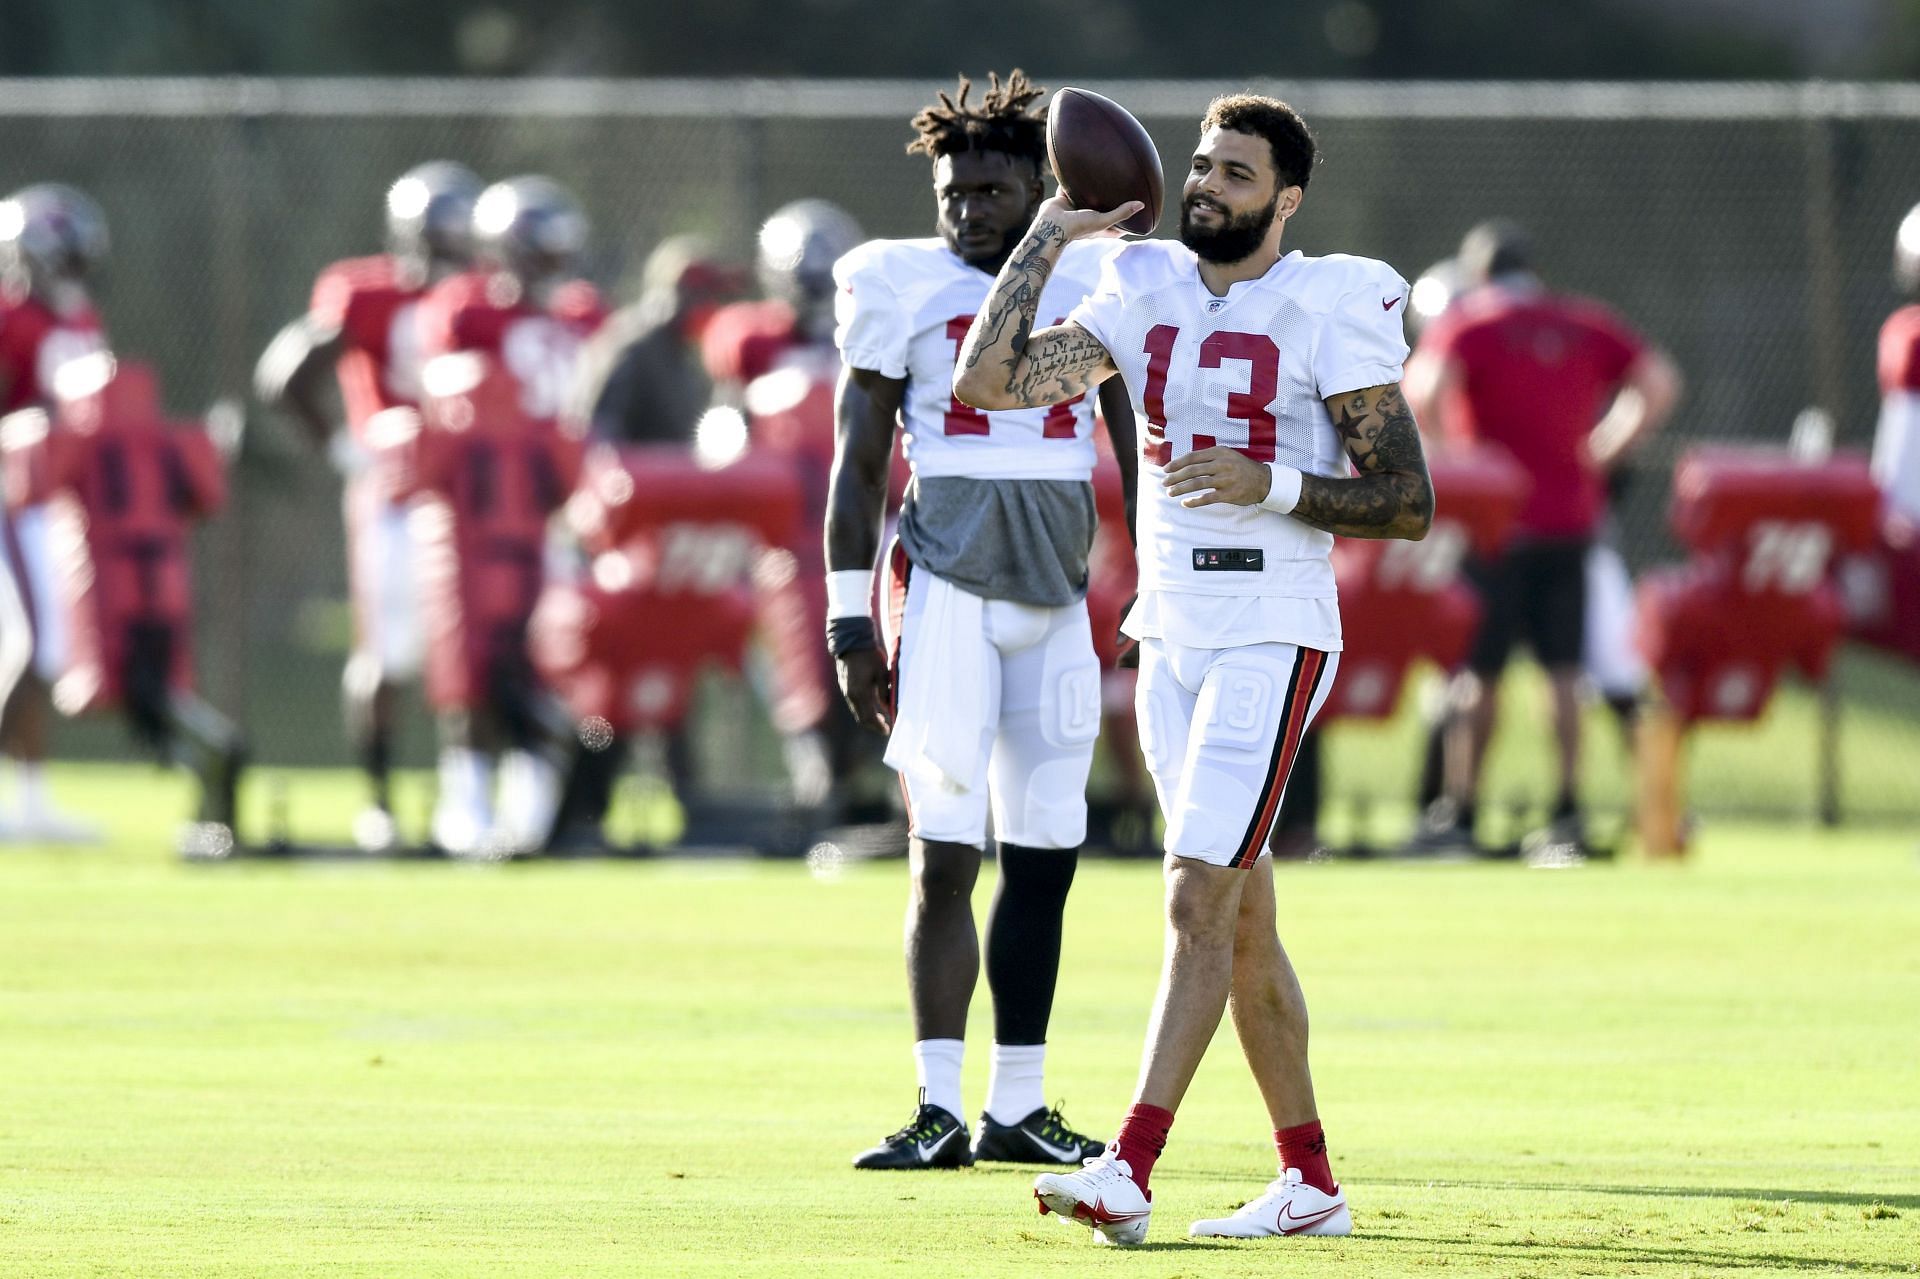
[1023, 939]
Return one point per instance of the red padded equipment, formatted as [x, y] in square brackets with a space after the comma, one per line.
[1404, 601]
[1757, 597]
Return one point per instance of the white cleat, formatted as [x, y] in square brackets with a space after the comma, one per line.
[1288, 1207]
[1103, 1195]
[47, 826]
[374, 831]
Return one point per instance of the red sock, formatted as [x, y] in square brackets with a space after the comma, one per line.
[1304, 1146]
[1142, 1136]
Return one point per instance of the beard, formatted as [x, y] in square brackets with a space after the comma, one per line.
[1234, 239]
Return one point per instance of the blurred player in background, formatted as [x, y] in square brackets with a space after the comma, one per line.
[363, 325]
[775, 359]
[523, 311]
[53, 239]
[993, 696]
[642, 378]
[132, 485]
[1896, 441]
[1568, 389]
[1253, 371]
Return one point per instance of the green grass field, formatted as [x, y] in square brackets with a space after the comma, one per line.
[662, 1069]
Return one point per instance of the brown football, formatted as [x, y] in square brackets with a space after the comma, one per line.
[1103, 158]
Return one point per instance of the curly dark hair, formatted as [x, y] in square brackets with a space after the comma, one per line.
[1001, 122]
[1294, 150]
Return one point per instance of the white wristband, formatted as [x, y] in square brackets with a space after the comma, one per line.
[849, 593]
[1285, 493]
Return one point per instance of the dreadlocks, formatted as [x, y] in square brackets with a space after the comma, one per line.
[1002, 121]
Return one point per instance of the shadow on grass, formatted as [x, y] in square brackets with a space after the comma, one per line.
[1513, 1254]
[1850, 1198]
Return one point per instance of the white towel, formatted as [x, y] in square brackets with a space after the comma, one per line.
[943, 687]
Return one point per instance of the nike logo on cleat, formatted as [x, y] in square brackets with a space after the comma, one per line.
[1291, 1225]
[1065, 1154]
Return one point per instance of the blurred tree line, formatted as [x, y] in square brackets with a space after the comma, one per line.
[1440, 39]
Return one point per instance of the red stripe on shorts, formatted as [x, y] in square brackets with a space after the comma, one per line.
[1301, 689]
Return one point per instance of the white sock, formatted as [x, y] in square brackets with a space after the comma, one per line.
[529, 795]
[1015, 1088]
[937, 1063]
[33, 788]
[463, 812]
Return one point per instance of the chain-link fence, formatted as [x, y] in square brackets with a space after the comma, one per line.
[1746, 227]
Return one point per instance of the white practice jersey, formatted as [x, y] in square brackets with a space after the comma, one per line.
[904, 308]
[1250, 370]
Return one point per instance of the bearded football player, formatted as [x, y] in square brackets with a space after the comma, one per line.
[362, 325]
[990, 693]
[53, 240]
[1262, 377]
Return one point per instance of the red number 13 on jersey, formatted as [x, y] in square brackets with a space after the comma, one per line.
[1254, 406]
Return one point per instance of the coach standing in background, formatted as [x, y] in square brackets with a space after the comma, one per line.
[1567, 388]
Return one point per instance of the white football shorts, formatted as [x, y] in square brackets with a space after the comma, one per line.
[386, 593]
[1220, 728]
[34, 535]
[1043, 682]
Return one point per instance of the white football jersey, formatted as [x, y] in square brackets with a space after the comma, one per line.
[1250, 370]
[904, 308]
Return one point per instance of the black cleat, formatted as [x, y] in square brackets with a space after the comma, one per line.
[1041, 1138]
[933, 1138]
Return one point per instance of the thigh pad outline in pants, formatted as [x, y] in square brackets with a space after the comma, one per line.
[1049, 722]
[1245, 708]
[934, 812]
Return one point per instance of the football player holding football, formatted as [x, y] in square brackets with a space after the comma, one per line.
[52, 240]
[363, 325]
[1262, 376]
[990, 693]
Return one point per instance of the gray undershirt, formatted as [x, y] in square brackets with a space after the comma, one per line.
[1020, 540]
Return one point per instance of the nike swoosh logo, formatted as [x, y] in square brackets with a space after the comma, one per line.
[1065, 1154]
[1290, 1224]
[1388, 306]
[1096, 1213]
[926, 1151]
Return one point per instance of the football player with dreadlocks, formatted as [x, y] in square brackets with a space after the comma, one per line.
[991, 700]
[52, 239]
[362, 325]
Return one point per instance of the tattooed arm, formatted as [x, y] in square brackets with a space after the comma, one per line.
[1004, 363]
[1391, 497]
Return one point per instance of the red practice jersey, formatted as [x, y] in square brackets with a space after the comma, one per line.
[374, 307]
[539, 346]
[746, 340]
[1900, 351]
[1538, 371]
[486, 477]
[128, 485]
[34, 342]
